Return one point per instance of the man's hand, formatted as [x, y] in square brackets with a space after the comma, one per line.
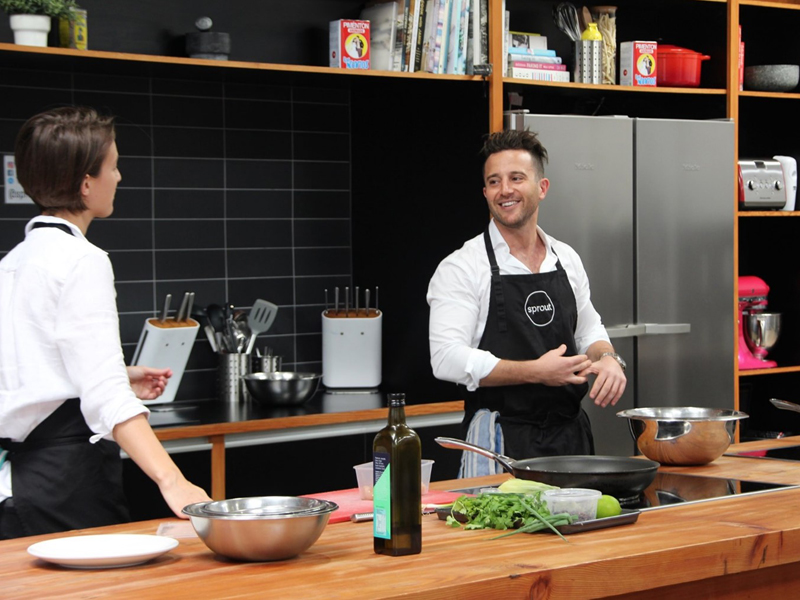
[610, 382]
[148, 383]
[552, 368]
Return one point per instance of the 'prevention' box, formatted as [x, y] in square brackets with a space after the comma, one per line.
[349, 44]
[637, 63]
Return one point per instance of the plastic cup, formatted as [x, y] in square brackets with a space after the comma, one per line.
[579, 502]
[364, 478]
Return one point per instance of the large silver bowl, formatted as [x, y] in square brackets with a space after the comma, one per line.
[260, 528]
[282, 387]
[682, 435]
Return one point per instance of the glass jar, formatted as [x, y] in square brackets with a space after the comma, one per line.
[606, 19]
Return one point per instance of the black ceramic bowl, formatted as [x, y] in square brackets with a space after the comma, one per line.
[771, 78]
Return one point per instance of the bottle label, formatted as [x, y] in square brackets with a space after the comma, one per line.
[382, 495]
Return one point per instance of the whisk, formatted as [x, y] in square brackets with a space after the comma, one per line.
[566, 17]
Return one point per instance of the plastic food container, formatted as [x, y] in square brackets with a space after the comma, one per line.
[364, 477]
[579, 502]
[678, 67]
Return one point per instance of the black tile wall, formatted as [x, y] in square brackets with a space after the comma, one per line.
[236, 191]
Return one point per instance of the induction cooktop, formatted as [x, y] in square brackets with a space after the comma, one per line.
[674, 489]
[780, 453]
[671, 489]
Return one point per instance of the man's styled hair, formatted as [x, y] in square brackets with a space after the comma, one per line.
[515, 139]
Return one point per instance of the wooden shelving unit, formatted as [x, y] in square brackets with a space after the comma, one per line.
[497, 87]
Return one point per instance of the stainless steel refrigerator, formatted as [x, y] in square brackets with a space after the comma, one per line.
[649, 206]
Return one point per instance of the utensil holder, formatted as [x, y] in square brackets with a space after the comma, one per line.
[232, 368]
[268, 364]
[166, 344]
[589, 61]
[351, 350]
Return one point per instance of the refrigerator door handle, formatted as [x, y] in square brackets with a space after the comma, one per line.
[625, 331]
[666, 328]
[639, 329]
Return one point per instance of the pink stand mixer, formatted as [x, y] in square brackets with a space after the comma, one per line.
[758, 330]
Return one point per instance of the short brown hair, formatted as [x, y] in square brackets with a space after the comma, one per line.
[516, 139]
[54, 152]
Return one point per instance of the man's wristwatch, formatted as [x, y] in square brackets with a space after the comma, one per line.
[616, 357]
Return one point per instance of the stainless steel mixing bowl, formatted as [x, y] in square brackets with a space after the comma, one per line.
[260, 528]
[282, 387]
[682, 435]
[763, 330]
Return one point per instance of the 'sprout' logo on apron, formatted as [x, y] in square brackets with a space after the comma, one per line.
[540, 309]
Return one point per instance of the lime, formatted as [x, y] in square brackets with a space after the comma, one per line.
[607, 506]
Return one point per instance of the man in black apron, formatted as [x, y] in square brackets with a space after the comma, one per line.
[536, 388]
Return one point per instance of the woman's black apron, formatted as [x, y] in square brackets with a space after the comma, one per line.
[59, 480]
[530, 315]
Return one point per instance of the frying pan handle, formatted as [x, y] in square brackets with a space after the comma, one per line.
[785, 404]
[455, 444]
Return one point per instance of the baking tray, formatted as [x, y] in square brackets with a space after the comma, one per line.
[627, 517]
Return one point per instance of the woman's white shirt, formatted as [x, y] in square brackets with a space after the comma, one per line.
[59, 335]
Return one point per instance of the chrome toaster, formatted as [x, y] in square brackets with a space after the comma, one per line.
[761, 184]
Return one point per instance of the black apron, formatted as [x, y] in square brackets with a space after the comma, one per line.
[530, 315]
[61, 481]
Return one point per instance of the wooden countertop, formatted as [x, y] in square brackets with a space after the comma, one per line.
[739, 547]
[289, 418]
[216, 423]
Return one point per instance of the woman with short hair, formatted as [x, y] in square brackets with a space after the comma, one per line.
[67, 400]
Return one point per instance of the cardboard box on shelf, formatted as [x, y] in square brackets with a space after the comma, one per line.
[637, 64]
[349, 44]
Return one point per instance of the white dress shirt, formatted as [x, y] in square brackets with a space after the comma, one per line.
[459, 294]
[59, 336]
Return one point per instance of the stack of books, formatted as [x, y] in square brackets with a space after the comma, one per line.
[528, 57]
[431, 36]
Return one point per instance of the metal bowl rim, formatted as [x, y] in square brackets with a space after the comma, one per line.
[200, 509]
[285, 376]
[651, 414]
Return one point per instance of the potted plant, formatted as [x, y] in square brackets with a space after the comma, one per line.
[31, 19]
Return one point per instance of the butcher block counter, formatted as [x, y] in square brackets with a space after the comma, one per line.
[214, 425]
[738, 547]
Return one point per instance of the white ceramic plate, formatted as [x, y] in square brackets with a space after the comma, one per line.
[102, 551]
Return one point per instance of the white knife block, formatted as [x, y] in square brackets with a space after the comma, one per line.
[351, 350]
[166, 344]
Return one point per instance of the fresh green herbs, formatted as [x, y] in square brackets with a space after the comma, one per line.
[525, 513]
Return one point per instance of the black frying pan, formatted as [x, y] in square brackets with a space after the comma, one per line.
[618, 476]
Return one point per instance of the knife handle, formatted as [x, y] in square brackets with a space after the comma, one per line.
[189, 306]
[165, 310]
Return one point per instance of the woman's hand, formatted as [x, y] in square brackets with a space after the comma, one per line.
[148, 383]
[178, 492]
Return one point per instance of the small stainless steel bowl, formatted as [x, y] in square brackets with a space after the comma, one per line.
[682, 435]
[282, 387]
[260, 528]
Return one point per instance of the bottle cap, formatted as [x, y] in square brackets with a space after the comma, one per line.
[397, 399]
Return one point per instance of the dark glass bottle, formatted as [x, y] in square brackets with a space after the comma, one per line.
[397, 491]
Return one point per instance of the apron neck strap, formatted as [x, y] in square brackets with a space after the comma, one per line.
[497, 283]
[60, 226]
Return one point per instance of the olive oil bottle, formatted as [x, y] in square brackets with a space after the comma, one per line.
[397, 490]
